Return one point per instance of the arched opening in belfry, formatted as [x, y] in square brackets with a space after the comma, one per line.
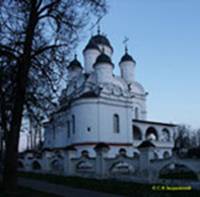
[151, 134]
[165, 135]
[137, 133]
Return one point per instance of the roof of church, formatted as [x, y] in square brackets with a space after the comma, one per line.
[127, 57]
[156, 123]
[103, 58]
[100, 39]
[91, 45]
[146, 144]
[74, 63]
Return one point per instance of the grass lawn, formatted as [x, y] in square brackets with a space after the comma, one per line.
[179, 175]
[109, 186]
[25, 192]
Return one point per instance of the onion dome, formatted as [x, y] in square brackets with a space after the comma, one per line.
[100, 40]
[103, 58]
[127, 57]
[91, 45]
[75, 63]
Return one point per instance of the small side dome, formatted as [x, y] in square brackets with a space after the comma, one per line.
[127, 57]
[103, 58]
[75, 63]
[91, 45]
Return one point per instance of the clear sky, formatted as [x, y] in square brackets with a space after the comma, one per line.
[164, 39]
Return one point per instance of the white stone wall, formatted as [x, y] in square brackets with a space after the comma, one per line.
[113, 151]
[106, 132]
[86, 120]
[97, 114]
[144, 168]
[94, 123]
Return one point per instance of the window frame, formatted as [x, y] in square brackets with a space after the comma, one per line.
[73, 124]
[116, 123]
[68, 129]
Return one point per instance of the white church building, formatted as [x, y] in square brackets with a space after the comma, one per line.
[100, 107]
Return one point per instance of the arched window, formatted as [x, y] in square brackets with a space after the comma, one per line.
[122, 151]
[151, 134]
[54, 130]
[155, 156]
[165, 135]
[68, 128]
[56, 165]
[36, 165]
[116, 126]
[73, 124]
[166, 155]
[137, 134]
[136, 155]
[136, 113]
[84, 153]
[20, 165]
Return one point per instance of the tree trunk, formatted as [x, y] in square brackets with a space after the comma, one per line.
[35, 137]
[12, 141]
[31, 133]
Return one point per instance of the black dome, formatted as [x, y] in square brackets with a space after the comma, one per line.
[91, 45]
[100, 39]
[103, 58]
[127, 57]
[75, 63]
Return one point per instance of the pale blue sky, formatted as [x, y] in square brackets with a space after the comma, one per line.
[165, 41]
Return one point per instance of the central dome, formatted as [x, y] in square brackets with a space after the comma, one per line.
[100, 40]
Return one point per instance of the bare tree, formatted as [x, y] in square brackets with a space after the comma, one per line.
[198, 137]
[182, 137]
[36, 40]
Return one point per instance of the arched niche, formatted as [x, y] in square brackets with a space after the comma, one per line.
[151, 134]
[36, 165]
[165, 135]
[166, 155]
[137, 133]
[20, 165]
